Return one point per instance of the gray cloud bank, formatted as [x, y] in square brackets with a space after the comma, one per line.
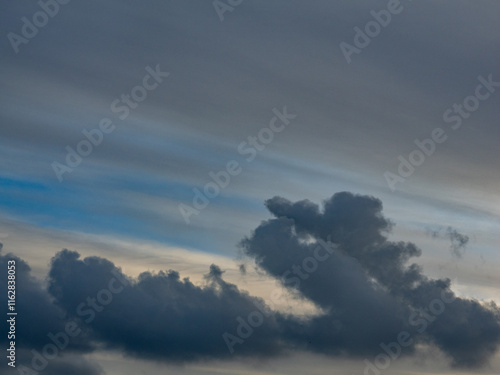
[367, 288]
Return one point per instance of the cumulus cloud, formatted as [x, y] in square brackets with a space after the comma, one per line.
[38, 316]
[158, 316]
[337, 256]
[370, 288]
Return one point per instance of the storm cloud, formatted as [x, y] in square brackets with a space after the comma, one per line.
[337, 257]
[39, 316]
[370, 286]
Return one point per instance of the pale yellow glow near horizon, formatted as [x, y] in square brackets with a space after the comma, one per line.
[135, 257]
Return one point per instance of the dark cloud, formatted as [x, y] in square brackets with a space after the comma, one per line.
[338, 257]
[37, 317]
[369, 279]
[159, 316]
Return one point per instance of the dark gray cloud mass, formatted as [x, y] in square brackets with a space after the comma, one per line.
[362, 282]
[159, 315]
[38, 316]
[369, 280]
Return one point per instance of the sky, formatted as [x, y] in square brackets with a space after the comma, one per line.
[251, 187]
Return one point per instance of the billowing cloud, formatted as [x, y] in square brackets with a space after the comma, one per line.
[38, 319]
[157, 316]
[338, 257]
[368, 287]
